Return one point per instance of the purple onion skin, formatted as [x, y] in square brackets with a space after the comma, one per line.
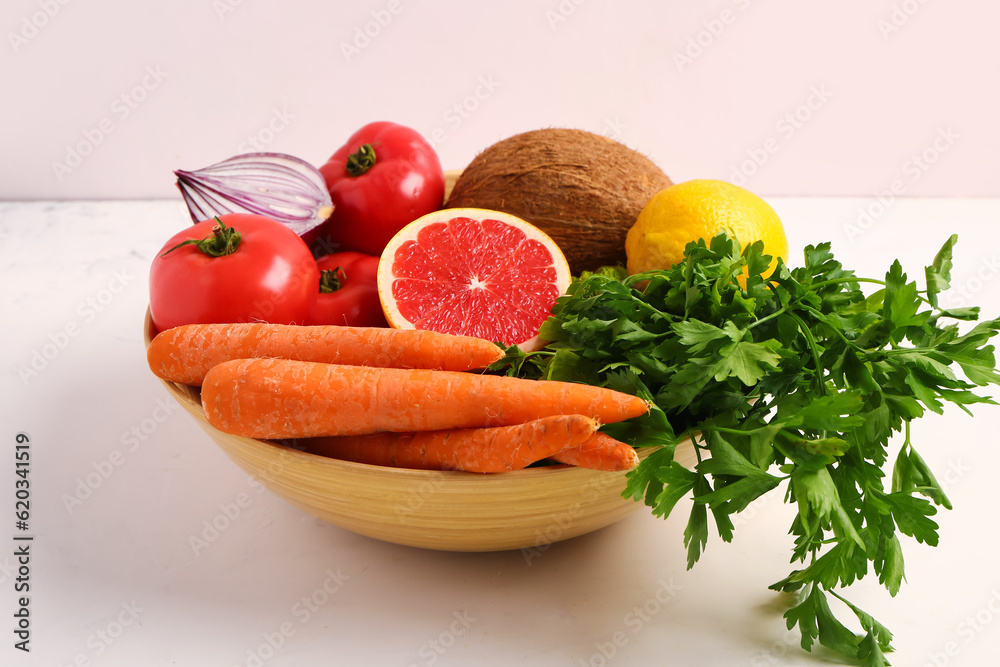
[279, 186]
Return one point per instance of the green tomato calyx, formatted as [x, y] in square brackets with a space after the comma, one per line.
[360, 161]
[223, 241]
[330, 280]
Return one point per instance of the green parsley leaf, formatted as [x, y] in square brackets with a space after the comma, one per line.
[939, 272]
[798, 381]
[746, 361]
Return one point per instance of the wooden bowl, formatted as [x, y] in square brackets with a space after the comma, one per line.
[447, 510]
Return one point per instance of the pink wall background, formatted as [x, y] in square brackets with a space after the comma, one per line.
[867, 98]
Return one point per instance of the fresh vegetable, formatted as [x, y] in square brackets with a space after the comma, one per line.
[600, 452]
[796, 381]
[480, 450]
[238, 267]
[473, 272]
[280, 398]
[582, 189]
[278, 186]
[185, 354]
[348, 291]
[385, 176]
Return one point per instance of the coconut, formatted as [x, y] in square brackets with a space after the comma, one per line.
[582, 189]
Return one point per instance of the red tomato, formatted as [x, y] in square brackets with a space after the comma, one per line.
[384, 177]
[267, 275]
[348, 291]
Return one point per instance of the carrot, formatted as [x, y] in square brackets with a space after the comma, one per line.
[185, 353]
[599, 452]
[281, 398]
[482, 450]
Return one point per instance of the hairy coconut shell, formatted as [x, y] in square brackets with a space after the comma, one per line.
[582, 189]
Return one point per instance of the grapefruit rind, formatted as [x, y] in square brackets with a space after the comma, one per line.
[473, 272]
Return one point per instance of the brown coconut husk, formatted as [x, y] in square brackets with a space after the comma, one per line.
[582, 189]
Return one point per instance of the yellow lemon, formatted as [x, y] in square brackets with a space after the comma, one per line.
[700, 209]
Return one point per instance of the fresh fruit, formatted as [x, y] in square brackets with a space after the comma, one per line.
[474, 272]
[348, 291]
[582, 189]
[237, 267]
[700, 209]
[385, 176]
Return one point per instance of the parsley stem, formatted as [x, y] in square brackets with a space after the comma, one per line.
[874, 281]
[814, 348]
[838, 332]
[738, 431]
[762, 320]
[850, 279]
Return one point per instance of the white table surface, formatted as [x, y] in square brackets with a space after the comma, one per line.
[122, 481]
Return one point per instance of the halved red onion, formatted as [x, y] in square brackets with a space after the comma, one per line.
[276, 185]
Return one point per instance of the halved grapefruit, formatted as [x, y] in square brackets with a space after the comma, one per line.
[473, 272]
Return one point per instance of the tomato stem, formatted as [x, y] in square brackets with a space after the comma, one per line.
[361, 161]
[223, 241]
[330, 280]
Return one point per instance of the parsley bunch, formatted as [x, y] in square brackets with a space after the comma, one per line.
[798, 380]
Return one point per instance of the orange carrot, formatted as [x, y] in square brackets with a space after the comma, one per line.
[482, 450]
[599, 452]
[185, 353]
[281, 398]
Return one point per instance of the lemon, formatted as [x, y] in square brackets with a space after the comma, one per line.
[700, 209]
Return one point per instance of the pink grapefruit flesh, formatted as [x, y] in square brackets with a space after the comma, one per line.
[472, 272]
